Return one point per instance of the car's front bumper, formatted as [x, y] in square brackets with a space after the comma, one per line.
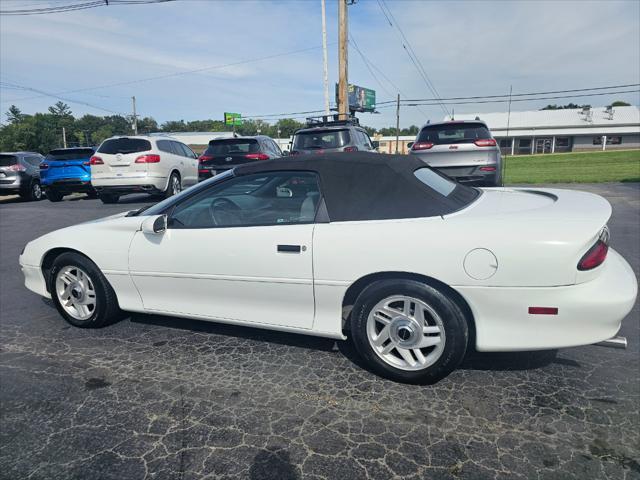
[33, 278]
[587, 312]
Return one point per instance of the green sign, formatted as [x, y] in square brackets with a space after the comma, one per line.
[232, 119]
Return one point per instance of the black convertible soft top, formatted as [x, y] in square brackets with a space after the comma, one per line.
[370, 186]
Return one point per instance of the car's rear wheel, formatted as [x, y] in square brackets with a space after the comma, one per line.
[409, 331]
[54, 195]
[174, 186]
[92, 194]
[34, 192]
[109, 198]
[81, 292]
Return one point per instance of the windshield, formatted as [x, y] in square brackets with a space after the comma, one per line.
[69, 154]
[162, 206]
[321, 139]
[454, 133]
[124, 145]
[232, 146]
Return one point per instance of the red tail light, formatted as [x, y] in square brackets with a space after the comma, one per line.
[350, 149]
[204, 171]
[421, 146]
[204, 158]
[17, 168]
[488, 169]
[95, 161]
[596, 255]
[148, 159]
[44, 166]
[257, 156]
[486, 142]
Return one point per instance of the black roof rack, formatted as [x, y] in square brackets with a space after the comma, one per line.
[336, 119]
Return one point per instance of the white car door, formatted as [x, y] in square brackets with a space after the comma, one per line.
[190, 159]
[240, 250]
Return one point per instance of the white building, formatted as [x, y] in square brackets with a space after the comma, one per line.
[567, 130]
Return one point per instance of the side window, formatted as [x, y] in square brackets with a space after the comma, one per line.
[34, 160]
[367, 140]
[164, 146]
[276, 149]
[271, 198]
[177, 149]
[186, 151]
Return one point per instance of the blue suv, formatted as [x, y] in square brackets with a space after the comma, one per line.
[65, 171]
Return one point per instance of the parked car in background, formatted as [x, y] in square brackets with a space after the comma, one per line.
[329, 135]
[20, 174]
[65, 171]
[225, 153]
[463, 150]
[142, 163]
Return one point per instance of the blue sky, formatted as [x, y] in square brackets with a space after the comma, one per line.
[467, 48]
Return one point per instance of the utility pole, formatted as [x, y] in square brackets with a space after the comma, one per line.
[324, 58]
[397, 122]
[135, 116]
[343, 91]
[64, 137]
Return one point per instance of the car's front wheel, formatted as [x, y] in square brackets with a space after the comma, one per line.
[409, 331]
[81, 292]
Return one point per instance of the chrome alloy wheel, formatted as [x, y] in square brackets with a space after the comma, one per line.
[405, 332]
[76, 292]
[176, 187]
[36, 191]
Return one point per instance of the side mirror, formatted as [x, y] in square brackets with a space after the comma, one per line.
[409, 145]
[376, 144]
[154, 225]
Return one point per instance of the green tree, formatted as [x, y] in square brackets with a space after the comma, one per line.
[620, 103]
[60, 109]
[14, 114]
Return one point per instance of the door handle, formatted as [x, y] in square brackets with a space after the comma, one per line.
[289, 248]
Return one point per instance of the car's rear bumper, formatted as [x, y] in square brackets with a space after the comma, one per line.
[130, 184]
[67, 185]
[9, 185]
[473, 175]
[587, 312]
[204, 173]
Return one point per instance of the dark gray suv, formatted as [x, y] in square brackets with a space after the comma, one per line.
[326, 135]
[20, 174]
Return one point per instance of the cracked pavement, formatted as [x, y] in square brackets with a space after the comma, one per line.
[163, 398]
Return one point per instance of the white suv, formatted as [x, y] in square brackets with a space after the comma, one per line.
[148, 164]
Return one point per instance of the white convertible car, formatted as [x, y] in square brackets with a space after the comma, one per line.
[414, 267]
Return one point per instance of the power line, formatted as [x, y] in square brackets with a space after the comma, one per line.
[410, 52]
[175, 74]
[373, 65]
[366, 63]
[505, 96]
[474, 102]
[47, 94]
[72, 7]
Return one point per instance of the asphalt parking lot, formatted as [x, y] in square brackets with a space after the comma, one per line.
[167, 398]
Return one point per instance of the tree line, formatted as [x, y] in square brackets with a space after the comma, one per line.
[42, 132]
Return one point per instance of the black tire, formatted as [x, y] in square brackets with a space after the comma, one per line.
[54, 195]
[92, 194]
[174, 185]
[33, 193]
[456, 330]
[106, 309]
[109, 198]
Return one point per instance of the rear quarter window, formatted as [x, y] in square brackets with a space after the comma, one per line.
[124, 145]
[448, 133]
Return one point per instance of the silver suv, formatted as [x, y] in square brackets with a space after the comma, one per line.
[463, 150]
[323, 136]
